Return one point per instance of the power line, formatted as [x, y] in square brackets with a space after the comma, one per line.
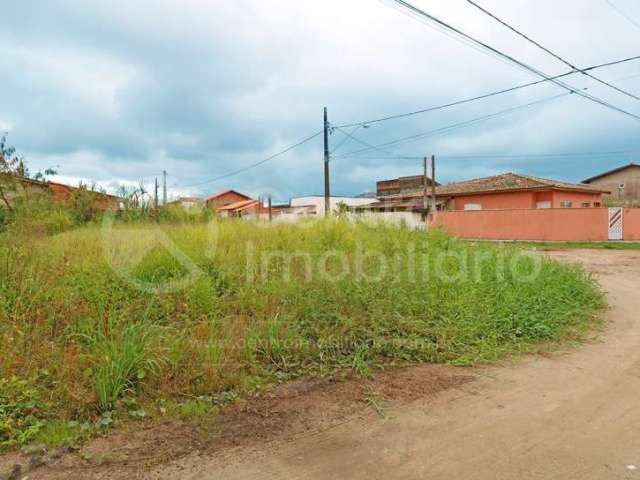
[362, 142]
[567, 155]
[511, 59]
[249, 167]
[346, 138]
[623, 14]
[486, 95]
[545, 49]
[454, 126]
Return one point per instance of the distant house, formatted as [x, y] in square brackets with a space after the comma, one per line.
[188, 202]
[623, 183]
[398, 186]
[506, 191]
[227, 197]
[314, 205]
[59, 192]
[242, 208]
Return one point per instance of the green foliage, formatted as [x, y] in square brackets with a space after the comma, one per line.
[120, 358]
[83, 203]
[267, 304]
[21, 410]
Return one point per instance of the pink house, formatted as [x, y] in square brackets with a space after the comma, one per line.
[498, 192]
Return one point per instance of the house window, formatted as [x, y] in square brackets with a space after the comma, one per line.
[566, 204]
[543, 205]
[586, 205]
[472, 206]
[597, 204]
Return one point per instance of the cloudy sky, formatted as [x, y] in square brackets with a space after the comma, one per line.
[115, 92]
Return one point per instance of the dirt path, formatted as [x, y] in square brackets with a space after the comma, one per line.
[569, 416]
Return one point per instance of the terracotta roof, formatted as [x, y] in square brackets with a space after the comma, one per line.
[609, 172]
[219, 194]
[71, 187]
[500, 183]
[240, 205]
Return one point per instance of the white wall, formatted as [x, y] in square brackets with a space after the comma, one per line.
[411, 219]
[318, 202]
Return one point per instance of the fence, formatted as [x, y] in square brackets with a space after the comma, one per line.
[557, 224]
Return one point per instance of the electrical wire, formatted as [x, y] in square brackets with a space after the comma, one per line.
[249, 167]
[623, 14]
[346, 138]
[515, 156]
[362, 142]
[512, 59]
[455, 126]
[486, 95]
[546, 50]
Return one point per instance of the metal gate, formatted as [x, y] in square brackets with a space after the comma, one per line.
[615, 224]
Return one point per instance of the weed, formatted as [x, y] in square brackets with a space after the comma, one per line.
[21, 412]
[376, 401]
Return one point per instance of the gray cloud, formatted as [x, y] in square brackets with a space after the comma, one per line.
[117, 91]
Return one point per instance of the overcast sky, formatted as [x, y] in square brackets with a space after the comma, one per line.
[116, 91]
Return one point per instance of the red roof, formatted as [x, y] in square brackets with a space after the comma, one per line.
[240, 205]
[220, 194]
[500, 183]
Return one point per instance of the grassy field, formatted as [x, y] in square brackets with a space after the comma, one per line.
[108, 322]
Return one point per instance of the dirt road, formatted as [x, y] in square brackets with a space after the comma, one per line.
[574, 415]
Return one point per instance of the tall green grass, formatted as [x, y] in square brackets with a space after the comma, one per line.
[265, 304]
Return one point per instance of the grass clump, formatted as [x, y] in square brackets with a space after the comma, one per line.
[250, 305]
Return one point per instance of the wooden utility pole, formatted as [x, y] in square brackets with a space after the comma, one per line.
[164, 187]
[425, 199]
[327, 193]
[270, 212]
[433, 184]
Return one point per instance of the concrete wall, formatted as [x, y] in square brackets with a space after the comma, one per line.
[631, 224]
[492, 201]
[576, 199]
[530, 224]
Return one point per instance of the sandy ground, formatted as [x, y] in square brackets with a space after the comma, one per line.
[561, 416]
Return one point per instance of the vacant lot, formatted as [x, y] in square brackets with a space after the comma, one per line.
[119, 322]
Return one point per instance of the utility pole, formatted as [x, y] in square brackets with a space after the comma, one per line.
[164, 187]
[433, 184]
[270, 214]
[155, 198]
[425, 200]
[327, 194]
